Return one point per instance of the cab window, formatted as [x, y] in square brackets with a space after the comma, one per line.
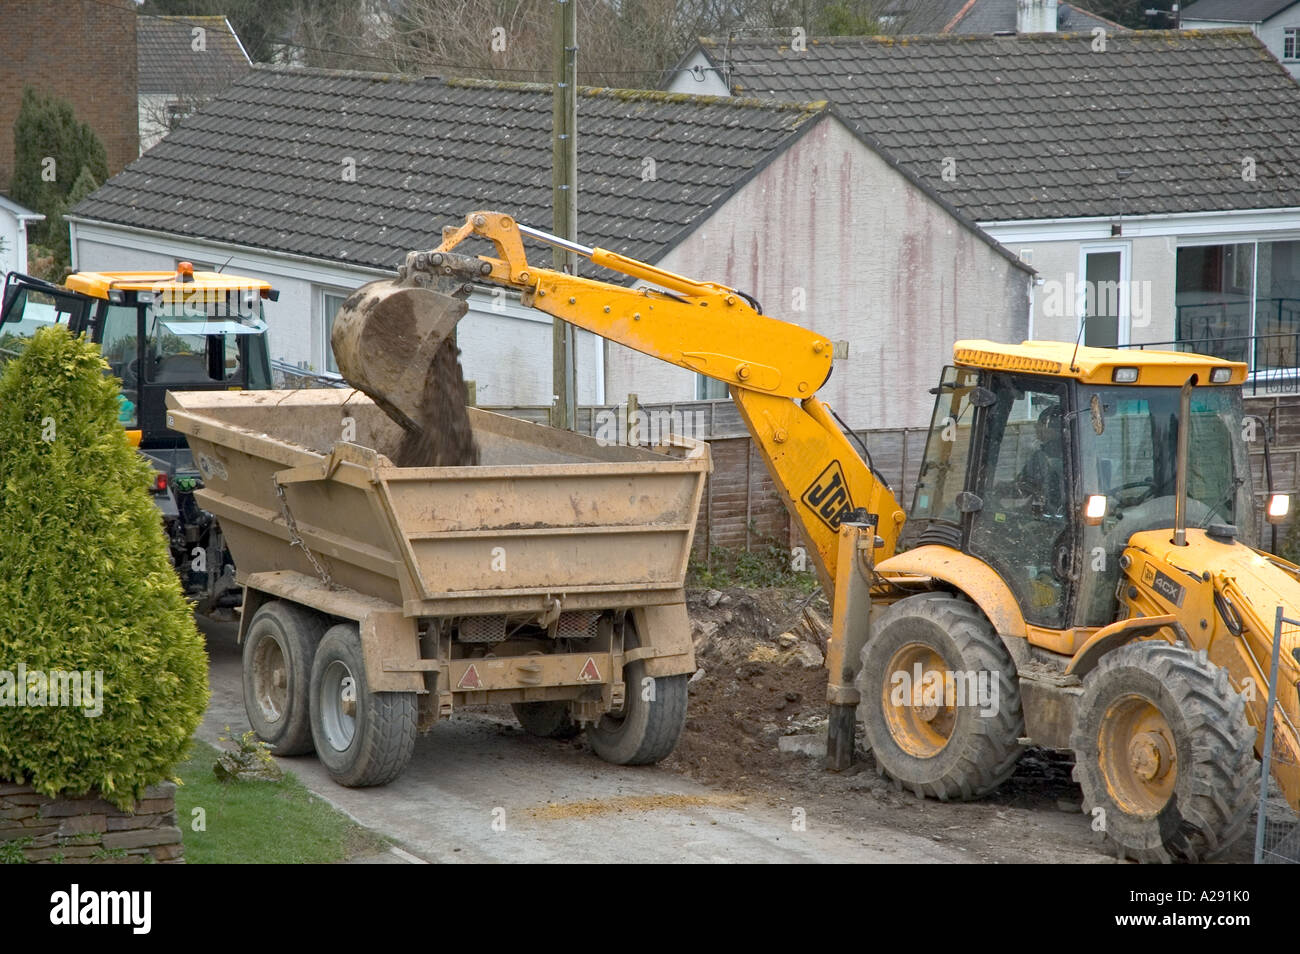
[1022, 528]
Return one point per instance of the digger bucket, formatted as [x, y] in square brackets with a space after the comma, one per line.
[385, 337]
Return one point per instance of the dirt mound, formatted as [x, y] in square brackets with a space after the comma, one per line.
[760, 655]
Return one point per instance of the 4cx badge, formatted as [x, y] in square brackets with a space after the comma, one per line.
[828, 496]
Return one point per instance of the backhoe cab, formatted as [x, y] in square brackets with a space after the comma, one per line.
[160, 332]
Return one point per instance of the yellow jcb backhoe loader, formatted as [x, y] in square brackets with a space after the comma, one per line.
[1072, 572]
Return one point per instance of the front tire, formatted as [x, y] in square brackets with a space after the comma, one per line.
[1164, 754]
[278, 651]
[362, 737]
[929, 735]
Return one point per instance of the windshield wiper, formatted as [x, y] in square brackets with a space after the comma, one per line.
[1232, 492]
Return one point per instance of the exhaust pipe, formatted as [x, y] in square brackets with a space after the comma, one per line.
[1180, 475]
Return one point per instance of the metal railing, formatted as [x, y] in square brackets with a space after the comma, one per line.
[1218, 319]
[286, 375]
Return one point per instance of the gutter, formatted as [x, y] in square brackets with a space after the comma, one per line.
[232, 246]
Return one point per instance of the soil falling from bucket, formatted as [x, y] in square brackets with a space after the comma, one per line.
[444, 437]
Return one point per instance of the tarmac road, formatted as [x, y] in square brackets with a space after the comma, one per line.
[480, 790]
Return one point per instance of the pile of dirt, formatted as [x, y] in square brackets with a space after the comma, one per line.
[445, 437]
[761, 676]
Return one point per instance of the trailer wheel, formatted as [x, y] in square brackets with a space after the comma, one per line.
[546, 720]
[1164, 753]
[362, 737]
[957, 739]
[278, 650]
[648, 726]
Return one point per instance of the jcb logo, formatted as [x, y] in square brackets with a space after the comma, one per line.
[828, 496]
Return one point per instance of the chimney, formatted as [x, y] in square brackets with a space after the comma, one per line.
[1035, 16]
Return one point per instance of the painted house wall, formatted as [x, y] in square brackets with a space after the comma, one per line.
[1271, 33]
[505, 348]
[152, 118]
[1152, 262]
[881, 266]
[13, 243]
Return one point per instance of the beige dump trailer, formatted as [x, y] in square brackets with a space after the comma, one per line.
[378, 599]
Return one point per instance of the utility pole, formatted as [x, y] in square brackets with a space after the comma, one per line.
[564, 188]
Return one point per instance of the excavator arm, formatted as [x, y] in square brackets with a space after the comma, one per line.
[773, 368]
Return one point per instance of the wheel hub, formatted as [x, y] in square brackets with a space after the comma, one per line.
[1150, 756]
[916, 701]
[338, 706]
[1137, 755]
[270, 679]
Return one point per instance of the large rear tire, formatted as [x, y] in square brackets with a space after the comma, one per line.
[546, 720]
[1164, 753]
[651, 721]
[362, 737]
[943, 739]
[278, 651]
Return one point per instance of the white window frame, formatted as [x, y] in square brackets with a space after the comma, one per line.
[1291, 35]
[1124, 322]
[323, 352]
[1254, 242]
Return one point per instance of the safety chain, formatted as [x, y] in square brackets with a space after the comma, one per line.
[295, 538]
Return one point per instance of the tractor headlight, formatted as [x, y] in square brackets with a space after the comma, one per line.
[1094, 509]
[1124, 375]
[1220, 375]
[1279, 505]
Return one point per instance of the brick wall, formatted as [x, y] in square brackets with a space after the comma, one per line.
[89, 830]
[80, 50]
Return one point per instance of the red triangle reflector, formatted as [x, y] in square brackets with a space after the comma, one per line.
[470, 680]
[589, 672]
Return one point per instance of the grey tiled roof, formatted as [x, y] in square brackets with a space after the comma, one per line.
[1235, 11]
[168, 62]
[1039, 125]
[262, 164]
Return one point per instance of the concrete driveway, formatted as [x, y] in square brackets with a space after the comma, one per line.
[480, 790]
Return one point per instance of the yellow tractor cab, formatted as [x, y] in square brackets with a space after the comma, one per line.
[1044, 459]
[159, 331]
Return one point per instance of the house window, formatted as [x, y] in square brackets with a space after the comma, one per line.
[1289, 37]
[1241, 302]
[709, 389]
[330, 304]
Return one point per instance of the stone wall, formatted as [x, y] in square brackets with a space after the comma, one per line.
[88, 829]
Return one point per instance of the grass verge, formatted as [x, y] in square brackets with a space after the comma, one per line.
[251, 822]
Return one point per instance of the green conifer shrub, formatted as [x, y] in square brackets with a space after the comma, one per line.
[86, 585]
